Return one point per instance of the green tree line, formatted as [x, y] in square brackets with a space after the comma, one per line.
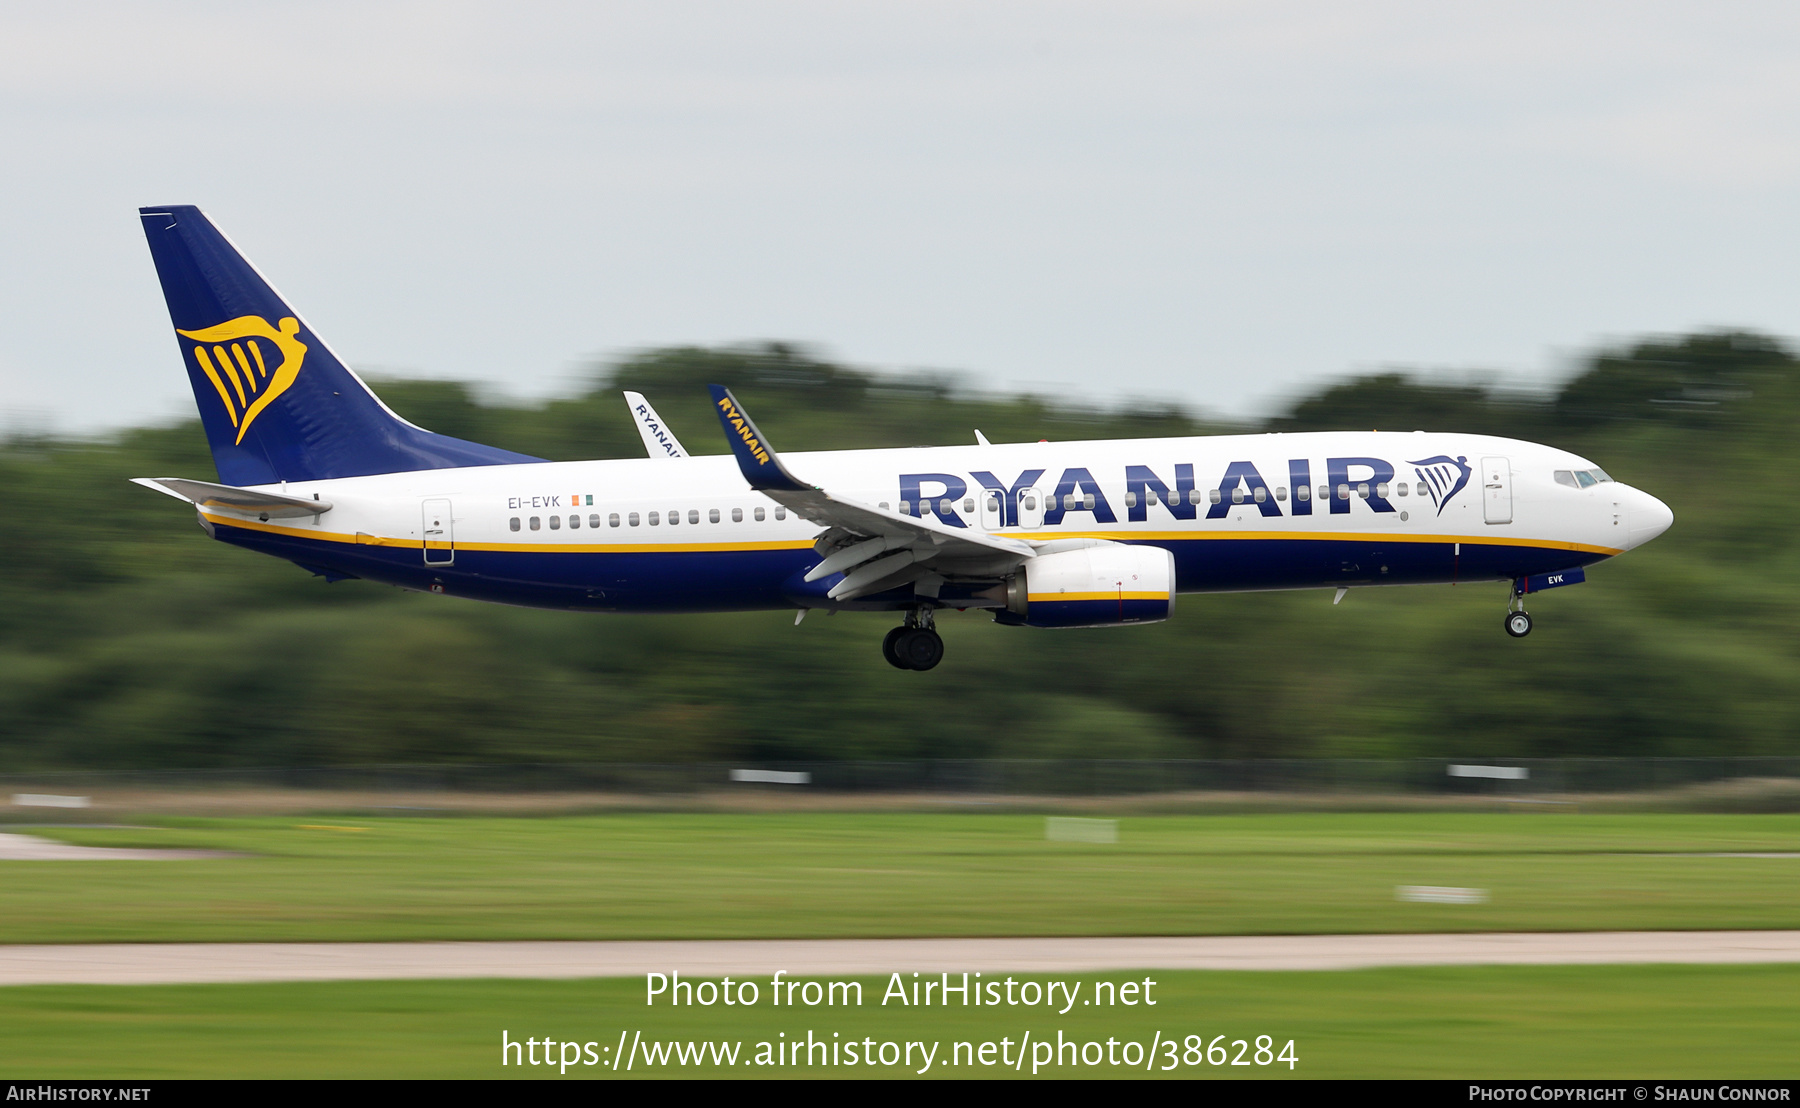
[127, 639]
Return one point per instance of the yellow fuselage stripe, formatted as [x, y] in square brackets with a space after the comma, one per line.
[1334, 536]
[801, 544]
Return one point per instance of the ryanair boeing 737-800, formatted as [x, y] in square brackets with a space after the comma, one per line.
[314, 468]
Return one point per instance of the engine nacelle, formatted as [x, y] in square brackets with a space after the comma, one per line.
[1099, 586]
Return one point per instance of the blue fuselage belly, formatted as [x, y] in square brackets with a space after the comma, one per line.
[759, 580]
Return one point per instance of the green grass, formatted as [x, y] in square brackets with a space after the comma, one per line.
[820, 875]
[1642, 1022]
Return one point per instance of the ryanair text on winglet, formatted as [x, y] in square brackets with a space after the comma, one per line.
[743, 430]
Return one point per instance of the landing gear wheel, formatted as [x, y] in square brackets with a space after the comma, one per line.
[1518, 624]
[887, 648]
[920, 648]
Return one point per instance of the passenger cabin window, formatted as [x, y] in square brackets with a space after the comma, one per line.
[712, 515]
[1262, 494]
[1400, 488]
[737, 515]
[1131, 500]
[1089, 501]
[574, 523]
[1421, 490]
[759, 515]
[655, 519]
[633, 519]
[693, 515]
[535, 523]
[513, 523]
[1029, 503]
[613, 520]
[1213, 495]
[969, 505]
[1343, 492]
[594, 520]
[674, 516]
[1302, 492]
[1281, 493]
[1324, 492]
[555, 523]
[1193, 496]
[780, 513]
[1362, 490]
[1237, 496]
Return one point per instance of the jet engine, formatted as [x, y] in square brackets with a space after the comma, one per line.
[1097, 586]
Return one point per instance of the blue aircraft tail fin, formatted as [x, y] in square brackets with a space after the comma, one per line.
[276, 403]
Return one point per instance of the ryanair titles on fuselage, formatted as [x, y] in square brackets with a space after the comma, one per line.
[1342, 480]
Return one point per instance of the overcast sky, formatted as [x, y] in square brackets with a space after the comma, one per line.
[1216, 202]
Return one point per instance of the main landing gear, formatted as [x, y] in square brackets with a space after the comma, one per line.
[914, 644]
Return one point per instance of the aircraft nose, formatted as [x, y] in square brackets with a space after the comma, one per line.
[1648, 517]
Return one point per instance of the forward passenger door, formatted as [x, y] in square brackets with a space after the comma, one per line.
[1496, 490]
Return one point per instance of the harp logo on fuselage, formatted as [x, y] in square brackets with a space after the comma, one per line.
[1444, 476]
[249, 361]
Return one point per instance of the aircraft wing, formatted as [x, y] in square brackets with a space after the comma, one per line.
[659, 441]
[876, 549]
[205, 494]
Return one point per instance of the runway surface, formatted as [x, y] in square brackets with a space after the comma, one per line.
[197, 963]
[32, 848]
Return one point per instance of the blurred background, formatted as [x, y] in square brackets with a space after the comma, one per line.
[1046, 220]
[127, 639]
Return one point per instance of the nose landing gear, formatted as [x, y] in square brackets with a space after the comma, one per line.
[914, 644]
[1518, 620]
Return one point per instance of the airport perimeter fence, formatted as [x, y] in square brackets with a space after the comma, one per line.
[959, 777]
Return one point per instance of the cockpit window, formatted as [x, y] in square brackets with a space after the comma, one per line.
[1581, 478]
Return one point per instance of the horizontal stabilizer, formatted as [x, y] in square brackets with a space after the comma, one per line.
[205, 494]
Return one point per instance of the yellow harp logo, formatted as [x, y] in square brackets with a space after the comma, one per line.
[239, 368]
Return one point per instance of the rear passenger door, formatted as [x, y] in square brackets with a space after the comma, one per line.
[440, 534]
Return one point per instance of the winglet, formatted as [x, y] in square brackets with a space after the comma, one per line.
[659, 441]
[755, 457]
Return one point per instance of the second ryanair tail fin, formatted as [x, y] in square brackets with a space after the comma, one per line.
[276, 403]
